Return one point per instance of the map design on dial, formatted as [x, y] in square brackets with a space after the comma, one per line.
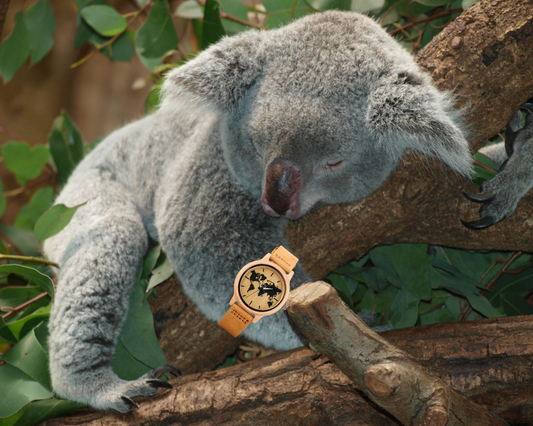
[261, 288]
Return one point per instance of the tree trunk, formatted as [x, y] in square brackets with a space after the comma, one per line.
[489, 361]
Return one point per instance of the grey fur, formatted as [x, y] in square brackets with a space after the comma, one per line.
[515, 178]
[328, 87]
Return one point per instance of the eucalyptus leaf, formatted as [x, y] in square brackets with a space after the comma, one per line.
[404, 309]
[15, 49]
[54, 221]
[139, 340]
[281, 12]
[23, 326]
[189, 9]
[17, 390]
[39, 411]
[158, 35]
[212, 29]
[32, 275]
[160, 274]
[104, 19]
[41, 24]
[31, 358]
[31, 212]
[25, 162]
[411, 261]
[66, 146]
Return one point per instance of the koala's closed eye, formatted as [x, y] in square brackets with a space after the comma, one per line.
[332, 166]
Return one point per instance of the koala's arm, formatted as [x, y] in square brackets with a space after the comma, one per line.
[99, 253]
[502, 193]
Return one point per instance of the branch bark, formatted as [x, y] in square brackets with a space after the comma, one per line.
[484, 57]
[489, 361]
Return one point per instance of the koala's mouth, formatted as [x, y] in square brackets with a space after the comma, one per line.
[281, 196]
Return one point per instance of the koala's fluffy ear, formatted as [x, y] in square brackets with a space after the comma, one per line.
[217, 78]
[407, 112]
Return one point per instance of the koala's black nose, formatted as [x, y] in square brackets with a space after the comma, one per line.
[281, 196]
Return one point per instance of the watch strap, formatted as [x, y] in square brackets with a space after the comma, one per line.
[284, 258]
[235, 320]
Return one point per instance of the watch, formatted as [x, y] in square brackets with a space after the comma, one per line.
[261, 288]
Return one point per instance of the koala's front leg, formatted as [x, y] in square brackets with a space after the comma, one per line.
[502, 193]
[99, 253]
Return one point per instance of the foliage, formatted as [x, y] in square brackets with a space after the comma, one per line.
[406, 284]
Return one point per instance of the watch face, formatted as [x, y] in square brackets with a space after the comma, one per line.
[261, 288]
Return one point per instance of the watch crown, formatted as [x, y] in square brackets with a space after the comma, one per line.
[285, 306]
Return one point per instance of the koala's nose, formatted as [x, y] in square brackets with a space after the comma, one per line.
[281, 196]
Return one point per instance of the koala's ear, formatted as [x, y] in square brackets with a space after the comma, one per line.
[219, 77]
[406, 112]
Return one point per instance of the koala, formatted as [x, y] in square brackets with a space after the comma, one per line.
[501, 194]
[258, 129]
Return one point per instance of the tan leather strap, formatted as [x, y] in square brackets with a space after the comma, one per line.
[284, 258]
[235, 320]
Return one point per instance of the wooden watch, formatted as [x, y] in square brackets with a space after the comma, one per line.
[261, 288]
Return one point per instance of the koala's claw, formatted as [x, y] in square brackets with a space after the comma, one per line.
[155, 383]
[129, 402]
[478, 198]
[156, 372]
[482, 223]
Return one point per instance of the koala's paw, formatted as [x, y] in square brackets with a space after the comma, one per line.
[119, 398]
[501, 194]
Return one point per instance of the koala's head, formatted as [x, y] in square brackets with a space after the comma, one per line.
[318, 112]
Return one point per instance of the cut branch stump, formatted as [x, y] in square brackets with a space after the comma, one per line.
[388, 376]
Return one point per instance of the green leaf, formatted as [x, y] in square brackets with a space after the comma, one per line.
[382, 257]
[5, 332]
[363, 6]
[512, 290]
[342, 288]
[190, 9]
[54, 221]
[481, 174]
[23, 326]
[385, 298]
[160, 274]
[122, 48]
[412, 264]
[212, 29]
[467, 3]
[25, 162]
[26, 241]
[66, 146]
[141, 351]
[404, 309]
[281, 12]
[369, 301]
[15, 296]
[150, 260]
[14, 50]
[237, 9]
[158, 35]
[464, 288]
[441, 314]
[31, 274]
[17, 390]
[323, 5]
[13, 419]
[104, 19]
[30, 357]
[31, 212]
[85, 32]
[40, 23]
[39, 411]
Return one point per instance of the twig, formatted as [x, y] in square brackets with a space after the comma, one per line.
[112, 39]
[428, 19]
[24, 305]
[502, 271]
[33, 183]
[28, 259]
[224, 15]
[484, 166]
[8, 132]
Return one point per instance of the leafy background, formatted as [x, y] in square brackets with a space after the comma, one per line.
[403, 284]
